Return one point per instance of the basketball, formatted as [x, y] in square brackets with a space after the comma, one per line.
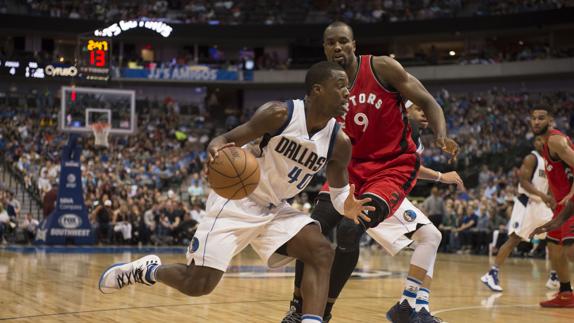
[234, 174]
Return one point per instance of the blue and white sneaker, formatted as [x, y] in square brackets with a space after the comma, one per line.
[553, 282]
[490, 279]
[121, 275]
[401, 312]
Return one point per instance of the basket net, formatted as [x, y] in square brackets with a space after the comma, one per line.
[101, 132]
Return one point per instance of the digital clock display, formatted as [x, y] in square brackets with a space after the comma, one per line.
[94, 58]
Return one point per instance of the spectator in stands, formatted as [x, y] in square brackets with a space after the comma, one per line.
[434, 207]
[449, 222]
[102, 217]
[49, 200]
[469, 220]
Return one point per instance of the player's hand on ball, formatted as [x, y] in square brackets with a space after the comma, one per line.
[448, 146]
[453, 178]
[354, 208]
[213, 152]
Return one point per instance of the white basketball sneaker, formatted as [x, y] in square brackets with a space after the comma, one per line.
[553, 282]
[490, 279]
[120, 275]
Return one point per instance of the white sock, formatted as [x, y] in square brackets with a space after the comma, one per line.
[412, 286]
[423, 297]
[310, 318]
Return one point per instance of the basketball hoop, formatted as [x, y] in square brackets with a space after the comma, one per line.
[101, 132]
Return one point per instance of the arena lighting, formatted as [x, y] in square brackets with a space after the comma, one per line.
[116, 29]
[452, 53]
[392, 55]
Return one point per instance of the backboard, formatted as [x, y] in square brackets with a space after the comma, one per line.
[82, 106]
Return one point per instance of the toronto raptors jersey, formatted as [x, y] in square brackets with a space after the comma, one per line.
[538, 178]
[290, 158]
[560, 175]
[376, 122]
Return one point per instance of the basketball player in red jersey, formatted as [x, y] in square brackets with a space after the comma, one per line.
[384, 162]
[559, 155]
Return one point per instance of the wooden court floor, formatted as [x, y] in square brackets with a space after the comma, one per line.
[58, 287]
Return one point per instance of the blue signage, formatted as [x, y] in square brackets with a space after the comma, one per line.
[182, 73]
[69, 223]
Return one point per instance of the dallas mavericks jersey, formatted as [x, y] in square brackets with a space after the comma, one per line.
[538, 177]
[290, 157]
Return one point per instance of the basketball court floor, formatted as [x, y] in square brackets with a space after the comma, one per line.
[43, 286]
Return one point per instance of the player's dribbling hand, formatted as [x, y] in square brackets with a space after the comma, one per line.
[354, 208]
[448, 146]
[453, 178]
[213, 152]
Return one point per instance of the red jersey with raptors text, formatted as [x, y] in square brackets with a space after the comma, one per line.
[377, 121]
[560, 175]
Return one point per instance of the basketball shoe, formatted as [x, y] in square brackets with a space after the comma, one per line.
[121, 275]
[423, 316]
[401, 313]
[553, 282]
[563, 299]
[490, 279]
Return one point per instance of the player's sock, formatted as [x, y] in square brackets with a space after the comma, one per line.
[328, 309]
[565, 287]
[343, 266]
[310, 318]
[423, 297]
[412, 286]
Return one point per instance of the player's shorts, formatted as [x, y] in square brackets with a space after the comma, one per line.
[231, 225]
[564, 234]
[391, 181]
[394, 233]
[527, 215]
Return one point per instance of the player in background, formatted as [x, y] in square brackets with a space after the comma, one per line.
[300, 138]
[558, 152]
[532, 208]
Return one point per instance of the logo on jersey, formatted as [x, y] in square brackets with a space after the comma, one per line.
[362, 98]
[541, 173]
[300, 154]
[548, 168]
[193, 245]
[409, 215]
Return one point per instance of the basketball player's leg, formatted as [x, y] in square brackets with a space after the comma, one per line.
[346, 256]
[490, 279]
[292, 234]
[208, 256]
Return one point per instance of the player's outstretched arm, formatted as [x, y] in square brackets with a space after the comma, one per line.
[393, 72]
[525, 174]
[426, 173]
[269, 118]
[343, 194]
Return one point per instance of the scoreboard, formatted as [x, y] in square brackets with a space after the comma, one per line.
[94, 58]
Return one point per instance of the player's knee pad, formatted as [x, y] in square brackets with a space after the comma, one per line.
[380, 213]
[324, 212]
[349, 235]
[427, 240]
[428, 234]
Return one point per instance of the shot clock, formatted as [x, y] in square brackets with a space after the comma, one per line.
[94, 58]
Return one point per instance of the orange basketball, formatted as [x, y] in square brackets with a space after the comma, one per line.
[234, 174]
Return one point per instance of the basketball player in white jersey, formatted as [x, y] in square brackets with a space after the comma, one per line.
[531, 209]
[300, 137]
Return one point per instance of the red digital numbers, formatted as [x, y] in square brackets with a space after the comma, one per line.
[98, 58]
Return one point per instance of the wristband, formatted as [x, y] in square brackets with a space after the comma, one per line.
[338, 197]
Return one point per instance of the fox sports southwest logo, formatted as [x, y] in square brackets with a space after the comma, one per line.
[70, 221]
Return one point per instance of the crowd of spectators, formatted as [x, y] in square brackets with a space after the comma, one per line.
[148, 188]
[275, 12]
